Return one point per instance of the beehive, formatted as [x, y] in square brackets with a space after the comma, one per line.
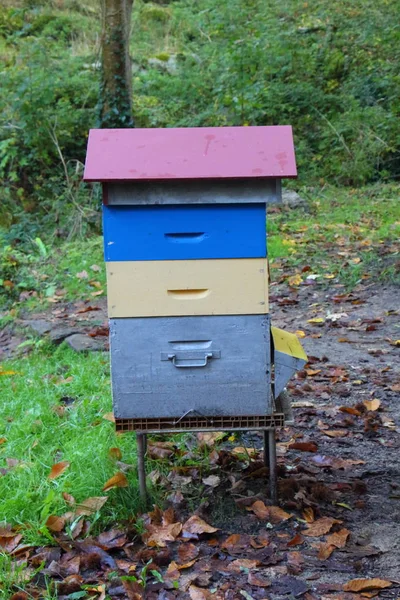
[184, 219]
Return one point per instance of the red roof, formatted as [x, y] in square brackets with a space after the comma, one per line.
[190, 153]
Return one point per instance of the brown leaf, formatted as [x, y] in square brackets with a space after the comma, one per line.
[58, 469]
[158, 535]
[320, 527]
[187, 552]
[197, 593]
[237, 566]
[338, 539]
[373, 404]
[55, 523]
[277, 514]
[68, 498]
[365, 585]
[160, 450]
[304, 446]
[350, 410]
[308, 514]
[259, 509]
[20, 596]
[335, 433]
[195, 526]
[296, 541]
[258, 580]
[209, 438]
[91, 505]
[325, 550]
[114, 538]
[117, 480]
[333, 462]
[109, 417]
[3, 440]
[115, 453]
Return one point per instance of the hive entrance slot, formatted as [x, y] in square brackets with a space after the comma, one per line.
[189, 237]
[189, 294]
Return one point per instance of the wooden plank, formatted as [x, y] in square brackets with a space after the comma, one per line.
[184, 232]
[187, 287]
[221, 191]
[235, 381]
[190, 153]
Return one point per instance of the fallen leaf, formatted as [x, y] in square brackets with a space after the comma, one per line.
[320, 527]
[258, 580]
[196, 526]
[68, 498]
[339, 538]
[238, 565]
[316, 321]
[277, 514]
[58, 469]
[212, 480]
[158, 535]
[197, 593]
[300, 334]
[209, 438]
[115, 453]
[295, 280]
[308, 515]
[365, 585]
[187, 552]
[296, 541]
[82, 275]
[335, 433]
[259, 509]
[304, 446]
[325, 550]
[91, 505]
[109, 417]
[95, 268]
[117, 480]
[55, 523]
[373, 404]
[350, 410]
[247, 451]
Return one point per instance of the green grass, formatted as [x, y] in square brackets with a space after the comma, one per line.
[347, 235]
[38, 436]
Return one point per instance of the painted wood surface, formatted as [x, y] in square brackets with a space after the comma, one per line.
[170, 366]
[184, 232]
[190, 153]
[216, 191]
[187, 287]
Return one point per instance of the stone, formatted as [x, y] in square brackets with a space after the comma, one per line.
[292, 199]
[39, 326]
[59, 334]
[83, 343]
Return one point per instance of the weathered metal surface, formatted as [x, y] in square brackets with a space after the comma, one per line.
[190, 153]
[216, 191]
[184, 232]
[288, 357]
[237, 286]
[233, 382]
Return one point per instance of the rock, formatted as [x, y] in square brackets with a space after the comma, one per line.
[169, 65]
[292, 199]
[82, 343]
[59, 334]
[39, 326]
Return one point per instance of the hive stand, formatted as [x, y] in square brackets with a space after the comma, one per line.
[184, 218]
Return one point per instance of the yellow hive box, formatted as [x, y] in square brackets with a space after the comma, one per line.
[187, 287]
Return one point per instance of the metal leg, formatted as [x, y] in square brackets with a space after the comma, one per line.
[272, 466]
[266, 448]
[141, 440]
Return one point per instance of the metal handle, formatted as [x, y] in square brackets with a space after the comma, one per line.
[188, 360]
[182, 365]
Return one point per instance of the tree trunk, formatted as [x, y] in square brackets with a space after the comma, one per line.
[116, 72]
